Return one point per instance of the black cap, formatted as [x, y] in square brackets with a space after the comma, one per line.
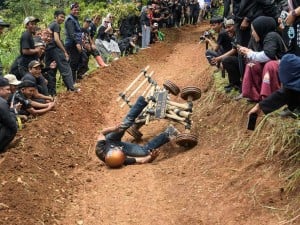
[27, 83]
[3, 82]
[216, 19]
[4, 24]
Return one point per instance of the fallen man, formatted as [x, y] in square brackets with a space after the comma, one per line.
[115, 153]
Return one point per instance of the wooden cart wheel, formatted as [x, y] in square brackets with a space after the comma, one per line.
[134, 132]
[190, 92]
[171, 87]
[186, 140]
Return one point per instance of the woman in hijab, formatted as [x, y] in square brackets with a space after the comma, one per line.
[261, 73]
[289, 94]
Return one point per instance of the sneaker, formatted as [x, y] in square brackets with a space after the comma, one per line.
[287, 113]
[172, 131]
[228, 88]
[76, 90]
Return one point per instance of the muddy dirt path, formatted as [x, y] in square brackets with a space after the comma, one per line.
[53, 176]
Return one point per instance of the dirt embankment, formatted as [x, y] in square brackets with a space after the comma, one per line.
[53, 177]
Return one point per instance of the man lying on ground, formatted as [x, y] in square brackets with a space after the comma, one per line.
[110, 139]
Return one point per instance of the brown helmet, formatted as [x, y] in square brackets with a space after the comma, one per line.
[115, 157]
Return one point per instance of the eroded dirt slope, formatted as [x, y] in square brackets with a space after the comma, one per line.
[53, 176]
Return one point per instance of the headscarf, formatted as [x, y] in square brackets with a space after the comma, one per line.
[289, 71]
[263, 25]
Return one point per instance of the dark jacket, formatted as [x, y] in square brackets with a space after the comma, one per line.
[7, 117]
[73, 31]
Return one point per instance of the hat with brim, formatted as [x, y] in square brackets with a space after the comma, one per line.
[30, 19]
[12, 79]
[4, 24]
[34, 63]
[228, 22]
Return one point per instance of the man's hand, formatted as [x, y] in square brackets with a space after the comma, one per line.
[216, 60]
[245, 24]
[79, 48]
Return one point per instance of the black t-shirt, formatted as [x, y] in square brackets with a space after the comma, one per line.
[92, 30]
[18, 97]
[102, 35]
[54, 27]
[27, 42]
[39, 82]
[103, 147]
[224, 41]
[7, 117]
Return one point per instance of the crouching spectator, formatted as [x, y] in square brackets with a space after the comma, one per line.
[8, 125]
[261, 73]
[223, 42]
[289, 94]
[35, 75]
[25, 96]
[128, 45]
[105, 42]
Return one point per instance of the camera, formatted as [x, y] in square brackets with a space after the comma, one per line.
[206, 34]
[18, 98]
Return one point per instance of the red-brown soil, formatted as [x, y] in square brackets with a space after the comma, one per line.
[52, 176]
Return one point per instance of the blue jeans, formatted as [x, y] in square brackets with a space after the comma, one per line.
[131, 149]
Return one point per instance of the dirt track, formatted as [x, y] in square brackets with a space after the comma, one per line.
[53, 176]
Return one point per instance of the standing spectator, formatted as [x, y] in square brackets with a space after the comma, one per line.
[293, 20]
[145, 25]
[220, 45]
[227, 4]
[56, 51]
[27, 49]
[8, 125]
[73, 38]
[2, 26]
[195, 9]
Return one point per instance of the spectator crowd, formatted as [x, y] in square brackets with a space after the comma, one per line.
[254, 42]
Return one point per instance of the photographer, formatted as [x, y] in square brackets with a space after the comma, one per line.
[220, 46]
[24, 96]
